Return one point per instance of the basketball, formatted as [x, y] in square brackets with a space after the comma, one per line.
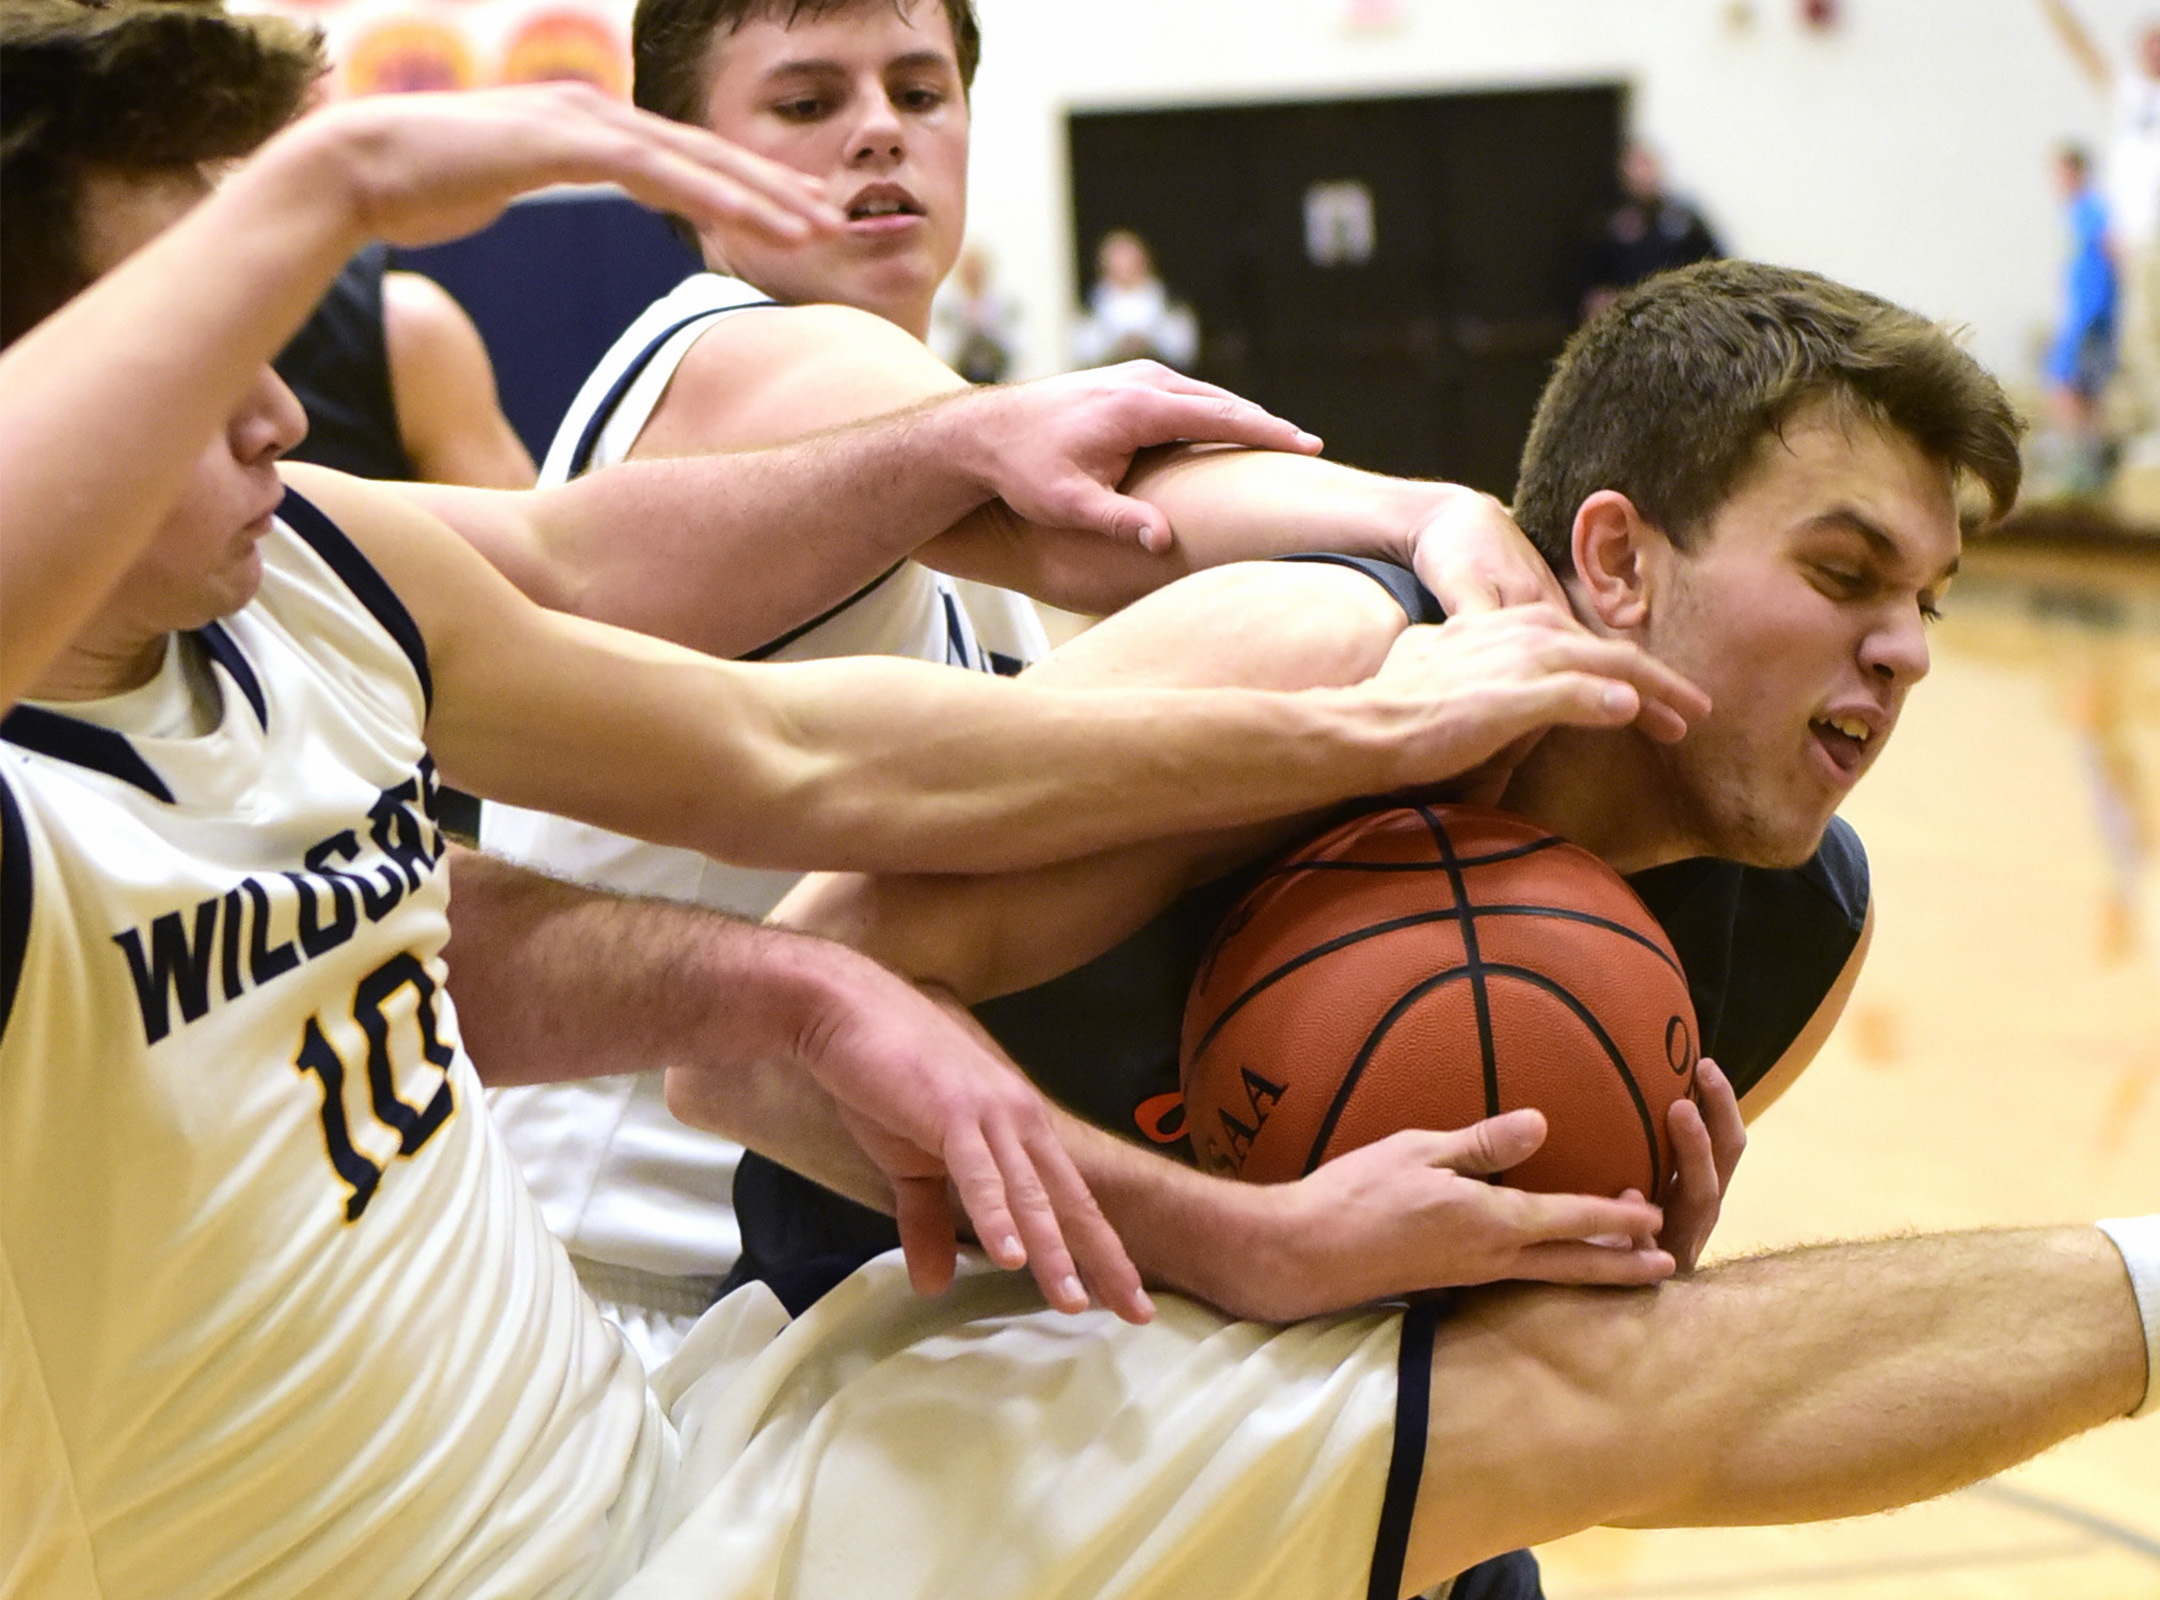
[1427, 967]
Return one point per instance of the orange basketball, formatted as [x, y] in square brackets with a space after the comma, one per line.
[1425, 967]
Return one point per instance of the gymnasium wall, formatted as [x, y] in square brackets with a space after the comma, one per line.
[1904, 148]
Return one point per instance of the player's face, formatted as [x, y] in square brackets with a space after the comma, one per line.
[204, 562]
[1802, 612]
[868, 99]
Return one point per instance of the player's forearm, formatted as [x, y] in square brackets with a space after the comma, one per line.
[1226, 504]
[893, 766]
[669, 548]
[555, 981]
[2078, 40]
[126, 361]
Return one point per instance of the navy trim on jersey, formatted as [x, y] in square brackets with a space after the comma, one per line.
[1406, 1464]
[82, 744]
[369, 587]
[15, 897]
[604, 412]
[955, 649]
[775, 646]
[1400, 582]
[227, 655]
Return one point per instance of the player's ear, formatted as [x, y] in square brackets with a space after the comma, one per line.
[1612, 548]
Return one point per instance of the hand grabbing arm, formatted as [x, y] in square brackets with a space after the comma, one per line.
[775, 1036]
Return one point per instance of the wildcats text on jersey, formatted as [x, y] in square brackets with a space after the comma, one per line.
[264, 927]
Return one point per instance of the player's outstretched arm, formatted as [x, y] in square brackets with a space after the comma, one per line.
[898, 765]
[1058, 450]
[1273, 625]
[660, 545]
[778, 1034]
[105, 406]
[2077, 38]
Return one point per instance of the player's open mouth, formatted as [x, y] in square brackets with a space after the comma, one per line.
[1845, 739]
[881, 202]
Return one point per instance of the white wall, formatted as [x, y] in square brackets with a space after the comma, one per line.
[1907, 150]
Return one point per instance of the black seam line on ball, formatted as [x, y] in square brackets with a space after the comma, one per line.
[1374, 930]
[1283, 869]
[1480, 996]
[1381, 1029]
[1307, 957]
[1613, 1054]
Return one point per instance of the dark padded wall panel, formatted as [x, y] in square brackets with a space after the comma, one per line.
[551, 283]
[1425, 358]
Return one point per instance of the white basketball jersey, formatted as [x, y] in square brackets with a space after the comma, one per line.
[276, 1315]
[620, 1180]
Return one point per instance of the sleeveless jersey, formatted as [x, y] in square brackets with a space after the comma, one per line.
[276, 1315]
[1761, 949]
[620, 1180]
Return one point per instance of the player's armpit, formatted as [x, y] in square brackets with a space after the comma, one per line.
[1804, 1048]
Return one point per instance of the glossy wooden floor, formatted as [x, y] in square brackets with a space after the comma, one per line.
[2000, 1064]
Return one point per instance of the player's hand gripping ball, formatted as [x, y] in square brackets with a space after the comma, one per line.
[1426, 967]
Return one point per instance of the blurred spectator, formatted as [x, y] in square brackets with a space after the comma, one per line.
[1130, 314]
[2131, 183]
[2082, 358]
[973, 323]
[1651, 232]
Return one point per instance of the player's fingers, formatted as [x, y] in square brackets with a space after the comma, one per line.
[1220, 418]
[1042, 1239]
[1087, 505]
[678, 167]
[924, 1215]
[1572, 1261]
[1721, 1113]
[979, 1180]
[1105, 1267]
[1547, 1218]
[1484, 1148]
[1695, 1172]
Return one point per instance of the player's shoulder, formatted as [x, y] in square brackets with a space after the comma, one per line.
[769, 343]
[772, 373]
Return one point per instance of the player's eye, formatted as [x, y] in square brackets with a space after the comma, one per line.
[919, 97]
[802, 108]
[1841, 583]
[1930, 608]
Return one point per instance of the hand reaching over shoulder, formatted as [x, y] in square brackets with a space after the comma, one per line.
[1473, 557]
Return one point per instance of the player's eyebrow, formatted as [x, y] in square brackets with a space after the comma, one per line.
[825, 66]
[1880, 543]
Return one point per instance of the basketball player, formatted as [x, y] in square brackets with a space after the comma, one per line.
[268, 1332]
[1799, 424]
[869, 98]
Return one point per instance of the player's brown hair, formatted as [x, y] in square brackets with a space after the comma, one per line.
[672, 41]
[1668, 395]
[128, 86]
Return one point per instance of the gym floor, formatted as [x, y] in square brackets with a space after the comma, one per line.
[1999, 1065]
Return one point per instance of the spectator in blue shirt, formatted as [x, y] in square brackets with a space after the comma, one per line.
[2082, 358]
